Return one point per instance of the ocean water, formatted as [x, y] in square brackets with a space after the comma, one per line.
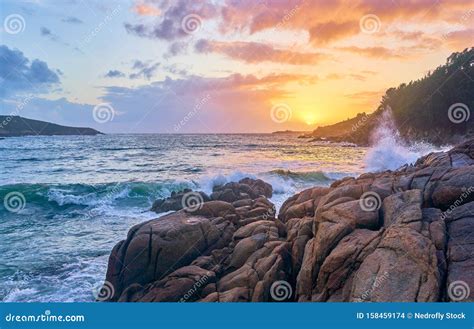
[66, 201]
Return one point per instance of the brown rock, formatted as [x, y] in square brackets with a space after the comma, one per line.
[158, 247]
[302, 204]
[460, 252]
[175, 201]
[183, 285]
[456, 186]
[403, 268]
[335, 277]
[246, 188]
[214, 209]
[415, 244]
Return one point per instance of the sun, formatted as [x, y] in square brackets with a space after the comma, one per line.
[309, 118]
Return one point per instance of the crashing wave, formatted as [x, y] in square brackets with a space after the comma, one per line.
[389, 151]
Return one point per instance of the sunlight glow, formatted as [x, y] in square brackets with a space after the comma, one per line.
[309, 118]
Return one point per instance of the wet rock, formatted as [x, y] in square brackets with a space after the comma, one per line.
[460, 254]
[302, 204]
[246, 188]
[158, 247]
[178, 201]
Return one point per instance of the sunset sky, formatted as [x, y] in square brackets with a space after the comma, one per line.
[218, 66]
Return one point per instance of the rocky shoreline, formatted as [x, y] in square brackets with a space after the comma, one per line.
[405, 235]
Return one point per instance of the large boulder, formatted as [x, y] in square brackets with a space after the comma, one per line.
[158, 247]
[246, 188]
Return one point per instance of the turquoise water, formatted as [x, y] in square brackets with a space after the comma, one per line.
[78, 195]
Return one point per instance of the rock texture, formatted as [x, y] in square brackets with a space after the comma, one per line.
[177, 201]
[402, 236]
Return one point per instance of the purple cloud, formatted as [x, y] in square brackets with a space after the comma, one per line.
[18, 75]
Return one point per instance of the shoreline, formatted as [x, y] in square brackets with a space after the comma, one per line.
[353, 230]
[110, 210]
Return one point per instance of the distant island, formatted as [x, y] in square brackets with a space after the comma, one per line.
[286, 132]
[435, 109]
[16, 126]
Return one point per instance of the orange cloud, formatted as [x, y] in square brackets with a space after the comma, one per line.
[369, 99]
[362, 76]
[254, 52]
[328, 21]
[375, 52]
[269, 81]
[324, 21]
[331, 31]
[458, 40]
[146, 10]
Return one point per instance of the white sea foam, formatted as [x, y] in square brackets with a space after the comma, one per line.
[389, 151]
[18, 294]
[284, 184]
[207, 183]
[64, 197]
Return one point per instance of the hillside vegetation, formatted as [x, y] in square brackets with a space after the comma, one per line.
[436, 108]
[14, 126]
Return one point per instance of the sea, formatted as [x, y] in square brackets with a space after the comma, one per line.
[65, 201]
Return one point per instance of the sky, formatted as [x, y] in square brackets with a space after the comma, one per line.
[208, 66]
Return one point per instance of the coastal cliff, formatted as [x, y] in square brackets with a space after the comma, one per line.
[403, 235]
[434, 109]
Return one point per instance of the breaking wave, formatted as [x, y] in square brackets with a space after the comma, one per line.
[389, 151]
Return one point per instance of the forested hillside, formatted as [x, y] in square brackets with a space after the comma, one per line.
[14, 126]
[436, 108]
